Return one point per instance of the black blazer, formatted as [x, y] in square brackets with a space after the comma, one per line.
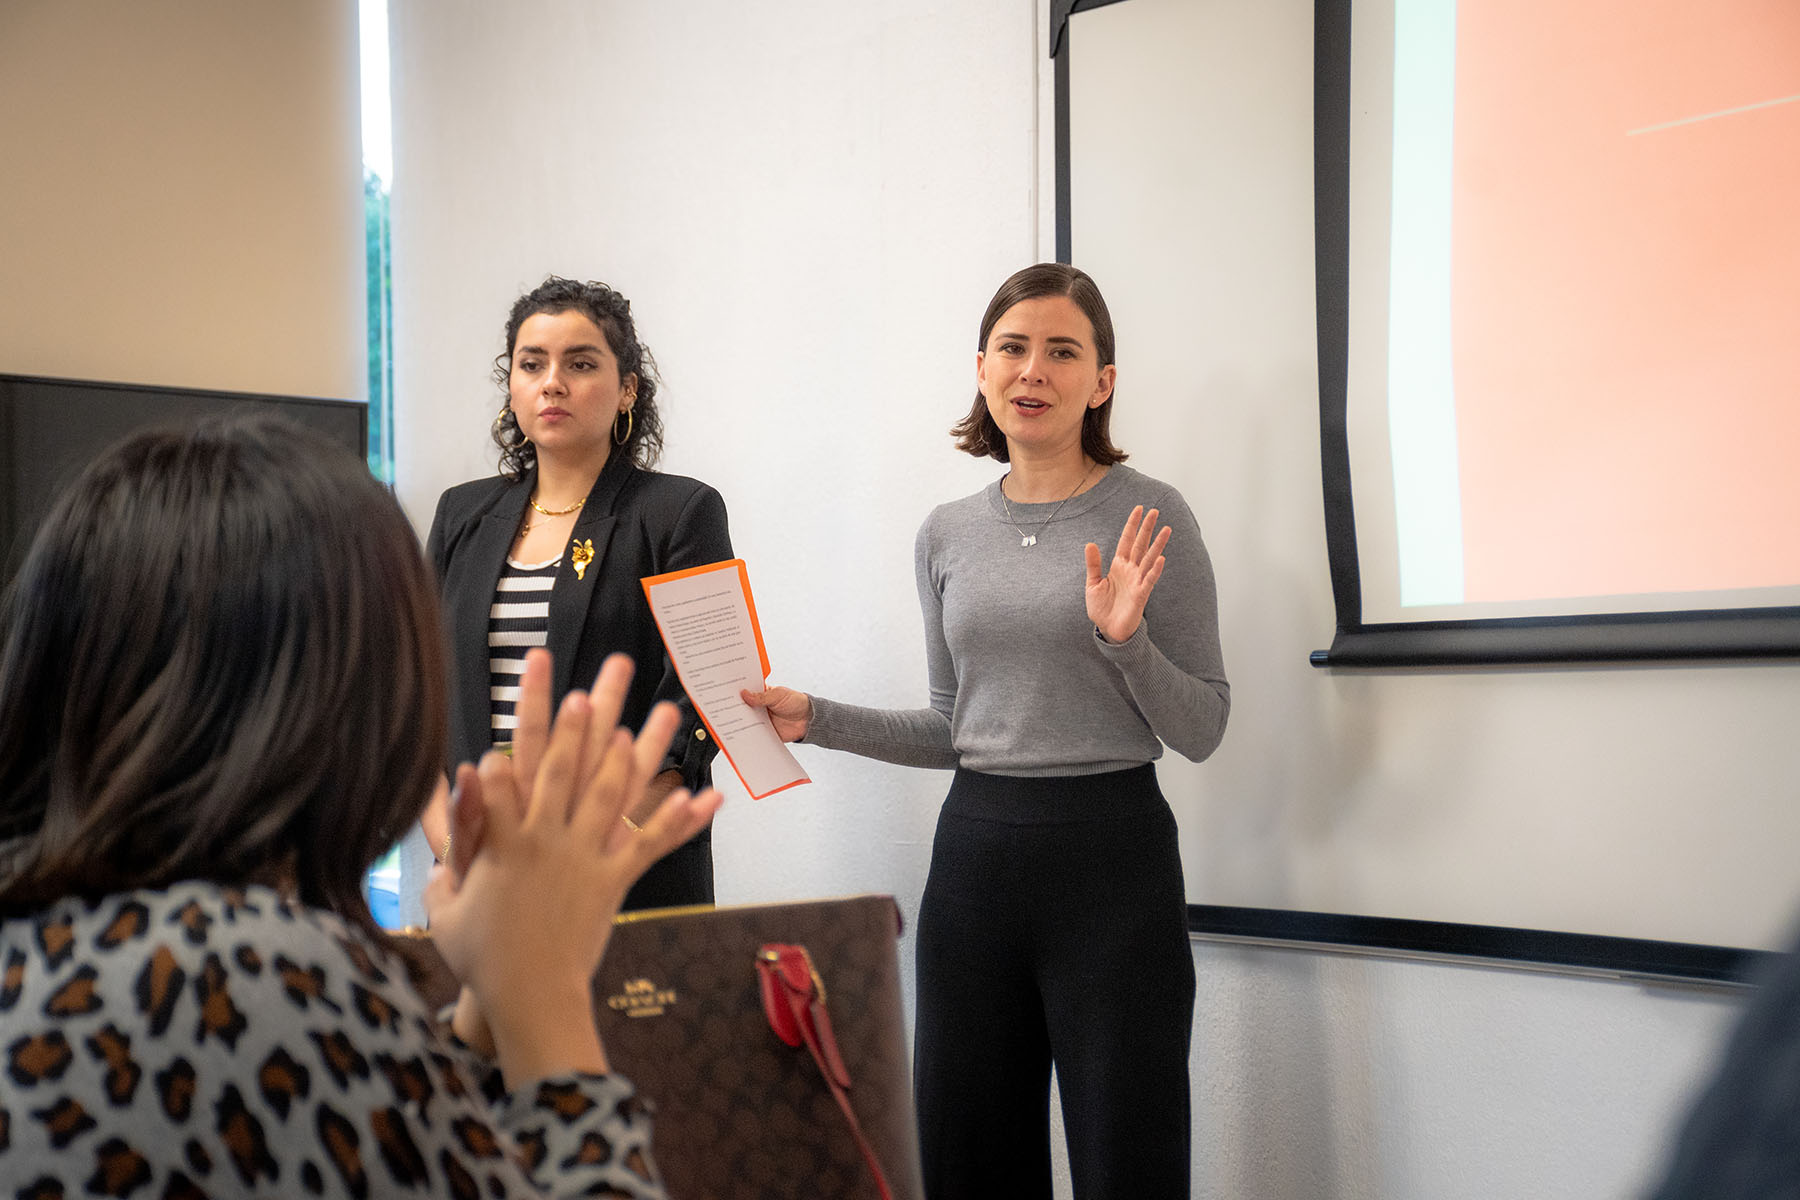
[641, 523]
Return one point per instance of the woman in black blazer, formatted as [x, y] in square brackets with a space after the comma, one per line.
[551, 551]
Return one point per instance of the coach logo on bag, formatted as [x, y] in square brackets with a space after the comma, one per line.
[641, 998]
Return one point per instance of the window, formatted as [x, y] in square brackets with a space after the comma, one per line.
[383, 886]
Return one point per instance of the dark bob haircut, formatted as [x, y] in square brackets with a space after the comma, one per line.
[219, 661]
[612, 313]
[976, 433]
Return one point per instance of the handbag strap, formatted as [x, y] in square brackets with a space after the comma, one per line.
[794, 1002]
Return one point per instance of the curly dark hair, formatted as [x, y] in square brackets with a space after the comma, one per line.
[611, 312]
[976, 433]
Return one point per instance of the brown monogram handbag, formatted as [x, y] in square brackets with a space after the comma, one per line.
[770, 1040]
[708, 1011]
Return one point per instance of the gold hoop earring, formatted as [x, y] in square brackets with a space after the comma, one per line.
[500, 430]
[618, 438]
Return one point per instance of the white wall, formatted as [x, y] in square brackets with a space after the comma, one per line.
[809, 204]
[1356, 1078]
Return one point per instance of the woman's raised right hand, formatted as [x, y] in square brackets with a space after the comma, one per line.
[789, 711]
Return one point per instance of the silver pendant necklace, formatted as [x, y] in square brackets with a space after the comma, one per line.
[1030, 539]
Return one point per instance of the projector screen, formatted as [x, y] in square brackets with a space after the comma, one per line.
[1574, 292]
[1560, 266]
[1636, 800]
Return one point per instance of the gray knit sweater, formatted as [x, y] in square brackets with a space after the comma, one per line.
[1021, 684]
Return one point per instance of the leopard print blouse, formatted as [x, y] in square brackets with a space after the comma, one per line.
[208, 1041]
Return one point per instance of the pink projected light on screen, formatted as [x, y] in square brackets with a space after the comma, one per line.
[1626, 295]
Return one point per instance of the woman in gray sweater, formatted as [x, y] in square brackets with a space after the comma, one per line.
[1053, 925]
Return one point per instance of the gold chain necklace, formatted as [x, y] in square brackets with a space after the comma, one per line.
[561, 512]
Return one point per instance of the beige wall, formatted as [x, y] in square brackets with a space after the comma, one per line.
[182, 198]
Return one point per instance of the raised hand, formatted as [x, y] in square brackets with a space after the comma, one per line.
[1116, 599]
[790, 712]
[464, 815]
[525, 920]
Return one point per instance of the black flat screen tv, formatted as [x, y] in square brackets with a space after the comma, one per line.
[51, 428]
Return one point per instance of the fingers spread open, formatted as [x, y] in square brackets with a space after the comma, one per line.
[652, 744]
[608, 699]
[1129, 534]
[1093, 564]
[1142, 541]
[1162, 540]
[604, 796]
[558, 775]
[501, 802]
[533, 713]
[468, 819]
[680, 816]
[610, 687]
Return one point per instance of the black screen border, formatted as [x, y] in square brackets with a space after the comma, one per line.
[1643, 959]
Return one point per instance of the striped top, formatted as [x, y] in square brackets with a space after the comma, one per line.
[518, 620]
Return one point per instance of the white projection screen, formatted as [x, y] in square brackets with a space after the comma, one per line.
[1571, 377]
[1606, 296]
[1559, 313]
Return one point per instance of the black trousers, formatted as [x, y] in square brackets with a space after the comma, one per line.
[1054, 930]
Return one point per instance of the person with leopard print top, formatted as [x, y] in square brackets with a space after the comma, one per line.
[213, 1040]
[221, 698]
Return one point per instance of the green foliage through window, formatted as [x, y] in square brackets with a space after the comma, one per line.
[379, 246]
